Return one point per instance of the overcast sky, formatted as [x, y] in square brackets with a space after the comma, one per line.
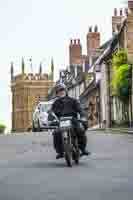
[41, 29]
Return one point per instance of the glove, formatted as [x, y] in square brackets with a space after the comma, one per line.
[84, 122]
[83, 119]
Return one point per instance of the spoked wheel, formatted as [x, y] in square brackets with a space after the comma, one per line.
[76, 153]
[76, 156]
[68, 155]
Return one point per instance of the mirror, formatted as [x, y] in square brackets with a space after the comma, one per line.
[39, 108]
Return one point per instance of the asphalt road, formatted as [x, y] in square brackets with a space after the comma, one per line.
[29, 170]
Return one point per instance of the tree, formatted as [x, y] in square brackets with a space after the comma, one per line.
[2, 128]
[122, 74]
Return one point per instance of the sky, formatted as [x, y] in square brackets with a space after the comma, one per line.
[42, 29]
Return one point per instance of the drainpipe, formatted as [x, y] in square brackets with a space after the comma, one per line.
[131, 97]
[99, 94]
[108, 125]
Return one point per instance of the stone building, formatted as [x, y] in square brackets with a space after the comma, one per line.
[27, 91]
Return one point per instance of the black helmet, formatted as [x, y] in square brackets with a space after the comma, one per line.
[60, 87]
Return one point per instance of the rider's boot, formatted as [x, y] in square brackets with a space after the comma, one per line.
[84, 152]
[59, 156]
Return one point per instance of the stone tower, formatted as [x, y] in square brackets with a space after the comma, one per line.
[27, 90]
[75, 52]
[51, 75]
[93, 40]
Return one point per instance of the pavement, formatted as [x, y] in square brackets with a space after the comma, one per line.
[118, 130]
[29, 170]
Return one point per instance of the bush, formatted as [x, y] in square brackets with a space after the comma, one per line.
[119, 58]
[2, 128]
[122, 75]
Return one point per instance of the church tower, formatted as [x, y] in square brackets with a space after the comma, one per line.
[51, 75]
[27, 91]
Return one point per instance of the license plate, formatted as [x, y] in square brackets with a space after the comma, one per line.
[65, 124]
[65, 134]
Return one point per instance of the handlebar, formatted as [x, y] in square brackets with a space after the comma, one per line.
[57, 120]
[50, 127]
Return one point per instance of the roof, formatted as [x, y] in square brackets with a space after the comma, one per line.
[75, 81]
[105, 45]
[108, 48]
[88, 90]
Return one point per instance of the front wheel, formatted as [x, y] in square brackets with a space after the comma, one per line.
[68, 155]
[76, 152]
[76, 157]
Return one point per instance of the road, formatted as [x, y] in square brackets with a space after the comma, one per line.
[29, 170]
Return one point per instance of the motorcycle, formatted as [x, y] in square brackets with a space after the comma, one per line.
[69, 139]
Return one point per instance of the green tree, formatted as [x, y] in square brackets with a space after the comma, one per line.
[122, 75]
[2, 128]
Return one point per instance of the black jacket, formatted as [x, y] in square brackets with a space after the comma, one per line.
[67, 106]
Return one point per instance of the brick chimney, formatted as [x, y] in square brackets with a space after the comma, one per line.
[75, 52]
[93, 40]
[130, 7]
[117, 20]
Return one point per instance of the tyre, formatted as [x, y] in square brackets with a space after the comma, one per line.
[39, 128]
[76, 152]
[77, 155]
[68, 155]
[33, 127]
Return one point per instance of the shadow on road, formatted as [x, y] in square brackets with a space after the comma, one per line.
[44, 165]
[54, 164]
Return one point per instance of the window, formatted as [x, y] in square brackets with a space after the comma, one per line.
[45, 107]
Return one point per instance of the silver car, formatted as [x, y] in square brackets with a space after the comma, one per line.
[40, 116]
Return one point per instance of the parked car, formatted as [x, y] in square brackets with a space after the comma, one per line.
[40, 116]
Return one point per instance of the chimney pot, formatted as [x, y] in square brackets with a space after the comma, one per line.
[96, 29]
[115, 12]
[121, 12]
[90, 29]
[126, 11]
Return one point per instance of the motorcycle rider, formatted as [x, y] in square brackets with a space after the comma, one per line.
[66, 106]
